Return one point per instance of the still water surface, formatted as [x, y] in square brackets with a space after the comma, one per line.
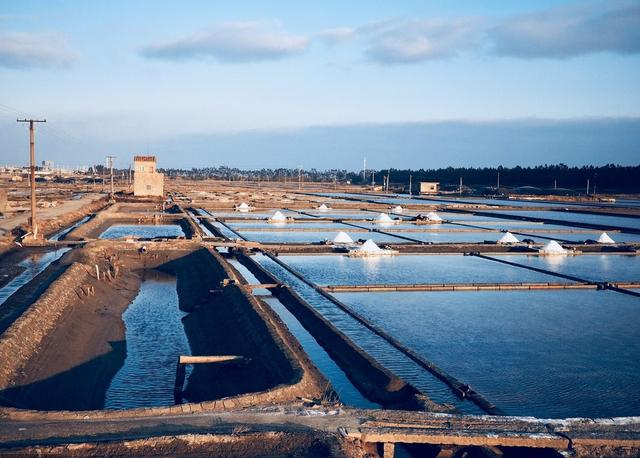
[403, 269]
[143, 231]
[543, 353]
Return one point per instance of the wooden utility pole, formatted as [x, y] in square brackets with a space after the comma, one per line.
[32, 162]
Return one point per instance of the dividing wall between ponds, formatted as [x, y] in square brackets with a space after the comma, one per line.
[374, 381]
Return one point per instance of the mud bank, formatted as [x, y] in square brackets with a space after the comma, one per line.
[64, 350]
[375, 382]
[233, 444]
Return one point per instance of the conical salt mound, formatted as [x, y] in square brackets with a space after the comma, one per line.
[323, 208]
[604, 238]
[342, 237]
[397, 209]
[384, 218]
[431, 216]
[278, 217]
[508, 238]
[243, 207]
[370, 247]
[553, 247]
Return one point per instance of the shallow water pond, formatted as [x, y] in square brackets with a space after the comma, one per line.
[403, 269]
[543, 353]
[143, 231]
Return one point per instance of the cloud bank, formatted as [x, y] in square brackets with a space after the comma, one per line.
[556, 33]
[232, 42]
[570, 31]
[21, 50]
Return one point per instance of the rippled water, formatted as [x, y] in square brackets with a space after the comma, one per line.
[143, 231]
[543, 353]
[403, 269]
[33, 265]
[155, 338]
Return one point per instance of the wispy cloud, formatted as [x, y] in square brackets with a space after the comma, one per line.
[556, 33]
[337, 35]
[21, 50]
[570, 31]
[418, 40]
[232, 42]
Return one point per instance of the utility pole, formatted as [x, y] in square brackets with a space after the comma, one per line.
[32, 166]
[364, 171]
[110, 164]
[587, 186]
[460, 188]
[373, 178]
[498, 188]
[388, 178]
[410, 193]
[299, 177]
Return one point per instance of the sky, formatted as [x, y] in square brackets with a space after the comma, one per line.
[254, 84]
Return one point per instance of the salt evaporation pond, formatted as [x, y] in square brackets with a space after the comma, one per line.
[404, 269]
[33, 265]
[450, 237]
[378, 348]
[264, 225]
[544, 353]
[347, 392]
[310, 237]
[155, 338]
[117, 231]
[603, 220]
[592, 267]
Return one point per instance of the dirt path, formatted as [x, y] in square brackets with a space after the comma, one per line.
[67, 206]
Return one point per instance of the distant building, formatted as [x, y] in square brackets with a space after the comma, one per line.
[147, 182]
[429, 187]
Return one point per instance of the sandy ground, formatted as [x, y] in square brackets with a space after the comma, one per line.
[88, 345]
[7, 224]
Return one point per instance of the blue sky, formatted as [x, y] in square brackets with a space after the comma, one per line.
[258, 84]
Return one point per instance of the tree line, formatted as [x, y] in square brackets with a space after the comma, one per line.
[610, 177]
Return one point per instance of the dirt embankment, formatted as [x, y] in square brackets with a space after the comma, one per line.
[50, 226]
[235, 444]
[64, 350]
[374, 381]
